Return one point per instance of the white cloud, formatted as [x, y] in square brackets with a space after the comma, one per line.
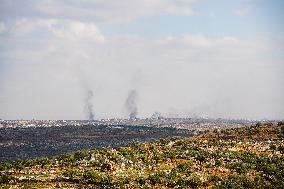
[2, 27]
[241, 12]
[212, 14]
[73, 30]
[201, 41]
[189, 74]
[23, 27]
[65, 29]
[96, 10]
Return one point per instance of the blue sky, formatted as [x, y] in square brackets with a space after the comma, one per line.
[213, 18]
[210, 58]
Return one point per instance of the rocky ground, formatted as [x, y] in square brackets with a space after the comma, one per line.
[248, 157]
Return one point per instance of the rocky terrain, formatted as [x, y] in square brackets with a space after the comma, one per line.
[247, 157]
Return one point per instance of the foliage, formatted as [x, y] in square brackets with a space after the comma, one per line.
[236, 182]
[249, 157]
[5, 178]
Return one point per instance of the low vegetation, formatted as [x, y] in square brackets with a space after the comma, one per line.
[248, 157]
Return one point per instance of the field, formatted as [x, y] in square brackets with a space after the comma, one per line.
[248, 157]
[31, 142]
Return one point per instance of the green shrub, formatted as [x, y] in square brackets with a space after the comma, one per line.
[4, 178]
[258, 124]
[240, 167]
[193, 182]
[200, 156]
[43, 161]
[214, 178]
[282, 130]
[157, 178]
[66, 159]
[272, 147]
[281, 149]
[184, 167]
[71, 173]
[5, 166]
[217, 163]
[235, 182]
[80, 155]
[97, 177]
[140, 180]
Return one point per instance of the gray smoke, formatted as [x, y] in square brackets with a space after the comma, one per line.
[131, 105]
[88, 105]
[156, 115]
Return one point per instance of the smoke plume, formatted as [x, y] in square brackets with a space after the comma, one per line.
[131, 105]
[89, 105]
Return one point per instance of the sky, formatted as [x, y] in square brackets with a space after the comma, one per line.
[183, 58]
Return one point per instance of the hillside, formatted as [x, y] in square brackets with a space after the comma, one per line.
[249, 157]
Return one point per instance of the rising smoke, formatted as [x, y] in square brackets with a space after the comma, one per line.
[88, 105]
[131, 105]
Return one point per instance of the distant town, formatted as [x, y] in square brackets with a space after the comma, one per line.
[198, 124]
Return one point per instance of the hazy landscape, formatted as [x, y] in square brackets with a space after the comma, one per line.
[142, 94]
[244, 157]
[26, 143]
